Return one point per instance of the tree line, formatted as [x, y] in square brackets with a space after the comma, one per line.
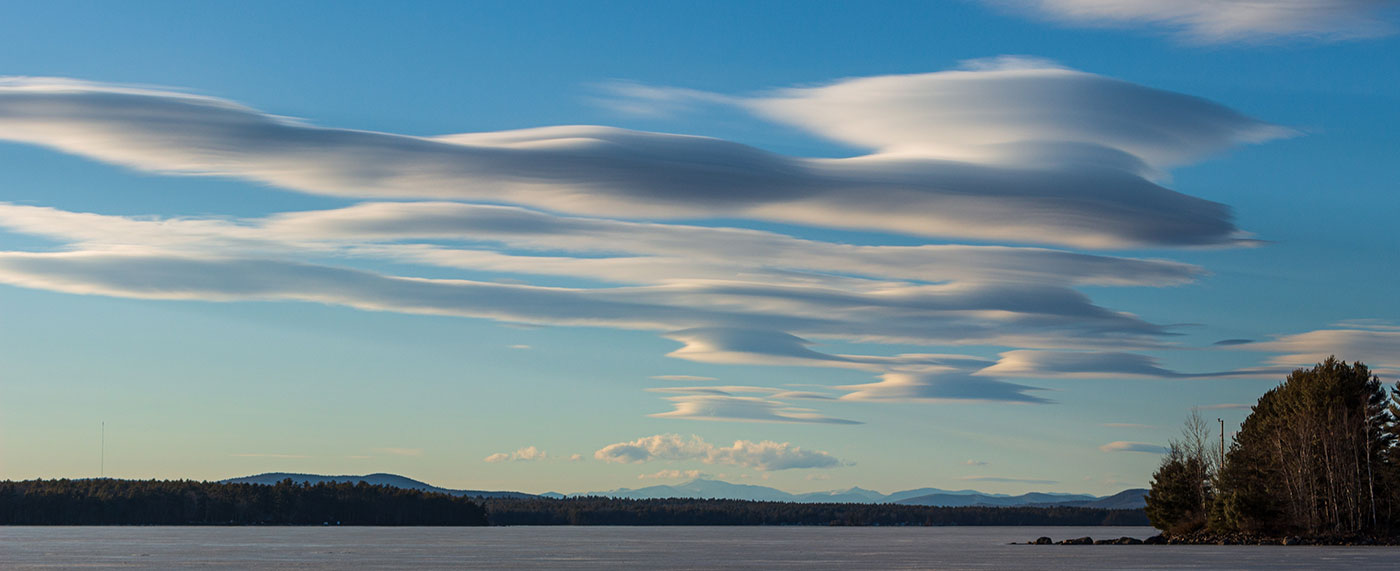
[685, 511]
[183, 502]
[1317, 455]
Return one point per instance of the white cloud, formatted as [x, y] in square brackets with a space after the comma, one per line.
[1377, 347]
[953, 314]
[633, 252]
[1022, 171]
[941, 386]
[1100, 364]
[975, 463]
[527, 454]
[1217, 21]
[673, 475]
[720, 407]
[1020, 111]
[1124, 446]
[762, 456]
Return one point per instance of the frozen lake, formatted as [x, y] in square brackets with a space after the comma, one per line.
[639, 548]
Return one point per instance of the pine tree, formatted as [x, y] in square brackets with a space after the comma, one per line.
[1314, 456]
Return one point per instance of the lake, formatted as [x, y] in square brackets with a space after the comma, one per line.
[640, 548]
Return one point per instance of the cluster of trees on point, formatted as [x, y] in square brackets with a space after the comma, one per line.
[1317, 456]
[185, 502]
[686, 511]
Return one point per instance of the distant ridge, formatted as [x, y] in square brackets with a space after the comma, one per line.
[392, 480]
[716, 489]
[701, 488]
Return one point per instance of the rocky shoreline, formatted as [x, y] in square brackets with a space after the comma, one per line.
[1203, 538]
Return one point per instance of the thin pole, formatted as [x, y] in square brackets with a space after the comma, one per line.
[1222, 443]
[103, 472]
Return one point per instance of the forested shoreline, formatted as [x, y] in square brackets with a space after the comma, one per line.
[183, 502]
[106, 501]
[1316, 461]
[685, 511]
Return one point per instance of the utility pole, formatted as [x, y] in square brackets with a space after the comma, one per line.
[1222, 443]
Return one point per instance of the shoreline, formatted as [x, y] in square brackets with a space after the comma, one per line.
[1339, 540]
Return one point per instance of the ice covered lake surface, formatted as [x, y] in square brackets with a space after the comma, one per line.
[640, 548]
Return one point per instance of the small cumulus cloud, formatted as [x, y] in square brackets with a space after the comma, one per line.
[673, 475]
[527, 454]
[575, 457]
[522, 347]
[762, 456]
[1125, 446]
[976, 462]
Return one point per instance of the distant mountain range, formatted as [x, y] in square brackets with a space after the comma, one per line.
[393, 480]
[717, 489]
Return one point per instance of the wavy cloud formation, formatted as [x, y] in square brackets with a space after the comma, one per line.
[762, 456]
[1051, 150]
[941, 387]
[1101, 364]
[1011, 150]
[904, 378]
[635, 252]
[742, 409]
[1027, 315]
[1124, 446]
[1218, 21]
[1019, 111]
[1377, 346]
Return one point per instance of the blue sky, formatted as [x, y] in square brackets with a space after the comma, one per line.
[992, 245]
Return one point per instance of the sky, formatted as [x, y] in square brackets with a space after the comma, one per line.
[1004, 245]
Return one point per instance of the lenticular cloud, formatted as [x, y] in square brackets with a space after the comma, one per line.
[1009, 152]
[1015, 150]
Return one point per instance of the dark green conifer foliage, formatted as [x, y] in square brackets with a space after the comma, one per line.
[1175, 502]
[1315, 456]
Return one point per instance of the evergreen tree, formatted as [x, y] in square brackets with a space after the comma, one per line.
[1315, 456]
[1174, 503]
